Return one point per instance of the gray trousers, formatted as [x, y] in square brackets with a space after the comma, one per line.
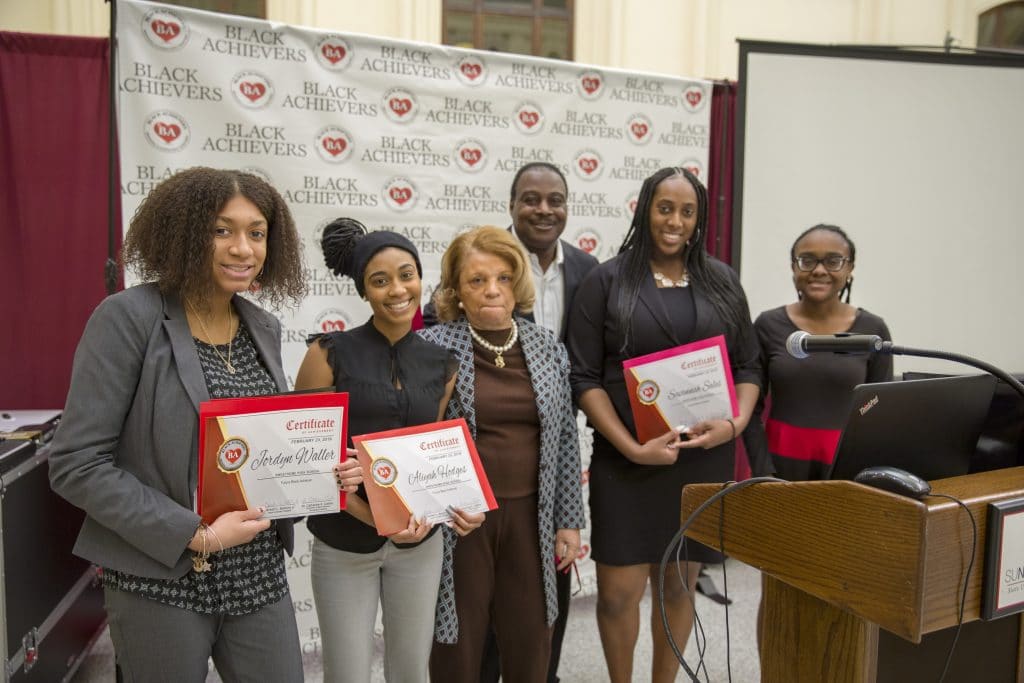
[347, 588]
[154, 642]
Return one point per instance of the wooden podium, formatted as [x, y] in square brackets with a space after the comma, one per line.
[862, 585]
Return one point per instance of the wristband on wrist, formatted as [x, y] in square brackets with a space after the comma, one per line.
[733, 425]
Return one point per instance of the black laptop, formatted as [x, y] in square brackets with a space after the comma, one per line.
[929, 427]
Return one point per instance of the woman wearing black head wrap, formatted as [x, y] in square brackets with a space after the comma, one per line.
[395, 379]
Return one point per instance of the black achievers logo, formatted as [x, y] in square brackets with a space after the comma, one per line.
[330, 190]
[587, 124]
[404, 61]
[166, 130]
[400, 194]
[333, 53]
[587, 240]
[694, 98]
[330, 98]
[474, 199]
[255, 43]
[524, 155]
[248, 138]
[252, 90]
[643, 90]
[635, 168]
[592, 205]
[471, 71]
[144, 178]
[639, 129]
[470, 155]
[588, 165]
[686, 135]
[474, 112]
[165, 29]
[536, 77]
[423, 236]
[175, 82]
[591, 85]
[529, 118]
[333, 144]
[332, 320]
[399, 150]
[400, 105]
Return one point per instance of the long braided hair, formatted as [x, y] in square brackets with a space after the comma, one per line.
[725, 295]
[835, 229]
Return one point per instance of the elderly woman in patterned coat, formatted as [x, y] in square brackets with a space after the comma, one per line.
[512, 387]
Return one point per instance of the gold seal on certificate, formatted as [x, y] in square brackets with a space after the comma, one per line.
[384, 472]
[680, 386]
[422, 470]
[275, 452]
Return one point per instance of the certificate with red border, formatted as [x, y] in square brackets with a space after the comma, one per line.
[277, 452]
[422, 470]
[680, 386]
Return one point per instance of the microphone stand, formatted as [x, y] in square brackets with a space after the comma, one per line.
[894, 350]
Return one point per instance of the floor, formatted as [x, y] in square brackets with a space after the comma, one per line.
[725, 659]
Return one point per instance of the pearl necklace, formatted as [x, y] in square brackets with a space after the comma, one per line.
[666, 281]
[497, 350]
[231, 339]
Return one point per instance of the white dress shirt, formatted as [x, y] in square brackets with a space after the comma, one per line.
[549, 287]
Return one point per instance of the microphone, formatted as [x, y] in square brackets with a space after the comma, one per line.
[800, 344]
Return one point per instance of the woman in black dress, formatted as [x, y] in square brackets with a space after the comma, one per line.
[661, 291]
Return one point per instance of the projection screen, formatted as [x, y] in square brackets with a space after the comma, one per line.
[920, 157]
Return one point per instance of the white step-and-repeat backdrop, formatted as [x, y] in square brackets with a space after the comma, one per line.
[419, 139]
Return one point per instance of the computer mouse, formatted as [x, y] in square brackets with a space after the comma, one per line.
[895, 480]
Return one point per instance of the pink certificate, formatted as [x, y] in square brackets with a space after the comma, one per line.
[680, 387]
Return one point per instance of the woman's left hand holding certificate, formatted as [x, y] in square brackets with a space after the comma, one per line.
[348, 472]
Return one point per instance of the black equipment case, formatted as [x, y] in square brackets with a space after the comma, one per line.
[51, 602]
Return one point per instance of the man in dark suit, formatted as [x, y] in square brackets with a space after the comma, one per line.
[539, 209]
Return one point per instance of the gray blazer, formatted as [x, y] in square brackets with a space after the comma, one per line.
[559, 494]
[126, 449]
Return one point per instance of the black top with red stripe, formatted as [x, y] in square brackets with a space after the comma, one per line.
[810, 397]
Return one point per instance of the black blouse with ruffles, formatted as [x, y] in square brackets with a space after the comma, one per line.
[368, 367]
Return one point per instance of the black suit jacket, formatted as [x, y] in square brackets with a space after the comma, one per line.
[576, 266]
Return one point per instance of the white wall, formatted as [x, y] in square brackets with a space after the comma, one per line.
[681, 38]
[921, 164]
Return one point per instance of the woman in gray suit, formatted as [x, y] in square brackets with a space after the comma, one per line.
[178, 591]
[512, 387]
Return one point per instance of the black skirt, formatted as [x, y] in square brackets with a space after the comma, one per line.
[635, 509]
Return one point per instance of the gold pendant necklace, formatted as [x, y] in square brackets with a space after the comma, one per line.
[497, 350]
[231, 339]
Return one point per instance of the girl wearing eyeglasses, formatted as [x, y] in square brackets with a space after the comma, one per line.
[809, 397]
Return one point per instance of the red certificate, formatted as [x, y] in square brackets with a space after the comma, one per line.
[680, 387]
[277, 452]
[422, 470]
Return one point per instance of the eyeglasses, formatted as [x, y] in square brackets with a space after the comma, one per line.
[832, 262]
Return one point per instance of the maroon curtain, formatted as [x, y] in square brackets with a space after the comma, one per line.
[54, 123]
[720, 167]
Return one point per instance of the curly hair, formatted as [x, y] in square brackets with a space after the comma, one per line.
[489, 240]
[170, 239]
